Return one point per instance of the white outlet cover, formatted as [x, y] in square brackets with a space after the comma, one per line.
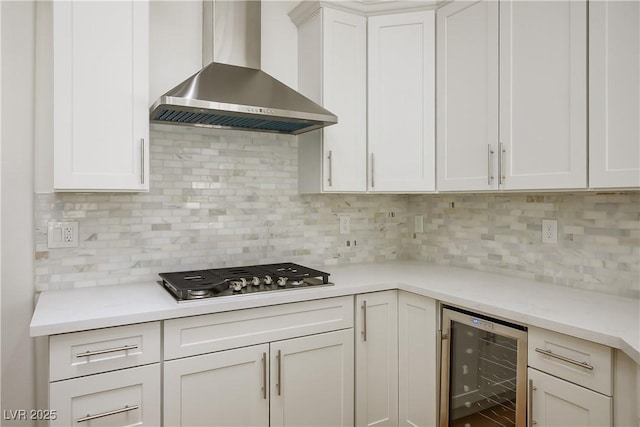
[550, 231]
[418, 224]
[345, 224]
[62, 234]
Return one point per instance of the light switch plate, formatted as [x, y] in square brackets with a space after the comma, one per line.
[62, 234]
[418, 224]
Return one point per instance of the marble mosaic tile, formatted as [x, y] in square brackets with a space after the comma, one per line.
[598, 237]
[223, 198]
[218, 198]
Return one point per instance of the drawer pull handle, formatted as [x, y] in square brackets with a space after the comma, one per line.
[107, 414]
[549, 353]
[279, 383]
[264, 375]
[109, 350]
[364, 321]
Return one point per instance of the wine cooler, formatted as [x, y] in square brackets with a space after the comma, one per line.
[483, 372]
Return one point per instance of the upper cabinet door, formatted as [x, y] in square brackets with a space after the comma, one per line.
[543, 102]
[467, 109]
[101, 117]
[614, 91]
[401, 55]
[345, 94]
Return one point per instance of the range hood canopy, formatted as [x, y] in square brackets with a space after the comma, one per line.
[229, 96]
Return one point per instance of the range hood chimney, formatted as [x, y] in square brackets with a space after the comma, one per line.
[231, 92]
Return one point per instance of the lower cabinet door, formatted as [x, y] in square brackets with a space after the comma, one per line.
[312, 380]
[417, 360]
[227, 388]
[129, 397]
[557, 403]
[377, 359]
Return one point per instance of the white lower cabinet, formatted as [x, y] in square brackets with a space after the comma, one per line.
[376, 337]
[417, 354]
[128, 397]
[227, 388]
[305, 381]
[312, 380]
[396, 366]
[557, 403]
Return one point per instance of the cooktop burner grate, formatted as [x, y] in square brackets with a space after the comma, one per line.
[199, 284]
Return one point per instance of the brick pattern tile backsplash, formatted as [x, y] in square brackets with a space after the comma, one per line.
[218, 198]
[224, 198]
[598, 237]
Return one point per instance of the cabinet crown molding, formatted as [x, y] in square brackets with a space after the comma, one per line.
[306, 9]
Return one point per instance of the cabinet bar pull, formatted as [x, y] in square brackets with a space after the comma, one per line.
[373, 174]
[279, 384]
[530, 405]
[364, 321]
[501, 176]
[549, 353]
[489, 171]
[109, 350]
[330, 157]
[264, 375]
[106, 414]
[142, 160]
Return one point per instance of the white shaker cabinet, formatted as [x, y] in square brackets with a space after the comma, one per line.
[401, 101]
[417, 360]
[295, 382]
[570, 381]
[467, 108]
[100, 95]
[554, 402]
[283, 365]
[312, 380]
[376, 335]
[106, 377]
[512, 95]
[614, 92]
[227, 388]
[543, 95]
[333, 72]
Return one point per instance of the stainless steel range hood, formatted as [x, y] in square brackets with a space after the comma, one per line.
[232, 92]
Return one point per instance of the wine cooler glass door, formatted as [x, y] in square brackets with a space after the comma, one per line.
[483, 372]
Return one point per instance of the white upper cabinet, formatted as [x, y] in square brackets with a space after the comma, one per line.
[512, 99]
[377, 74]
[543, 94]
[401, 56]
[100, 92]
[614, 91]
[333, 72]
[467, 131]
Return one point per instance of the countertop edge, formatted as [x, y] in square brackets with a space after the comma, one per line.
[42, 325]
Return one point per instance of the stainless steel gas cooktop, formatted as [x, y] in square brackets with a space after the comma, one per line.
[218, 282]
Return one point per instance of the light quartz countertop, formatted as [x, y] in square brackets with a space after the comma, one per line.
[605, 319]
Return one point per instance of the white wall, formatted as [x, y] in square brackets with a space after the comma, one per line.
[17, 183]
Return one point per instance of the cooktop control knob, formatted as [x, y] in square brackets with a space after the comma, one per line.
[255, 281]
[282, 281]
[268, 280]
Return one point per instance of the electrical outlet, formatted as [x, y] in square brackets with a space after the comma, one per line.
[62, 234]
[345, 224]
[418, 224]
[550, 231]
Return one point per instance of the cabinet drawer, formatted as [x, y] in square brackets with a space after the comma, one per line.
[130, 397]
[91, 352]
[582, 362]
[214, 332]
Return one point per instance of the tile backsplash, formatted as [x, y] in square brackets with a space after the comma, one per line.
[598, 237]
[224, 198]
[218, 198]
